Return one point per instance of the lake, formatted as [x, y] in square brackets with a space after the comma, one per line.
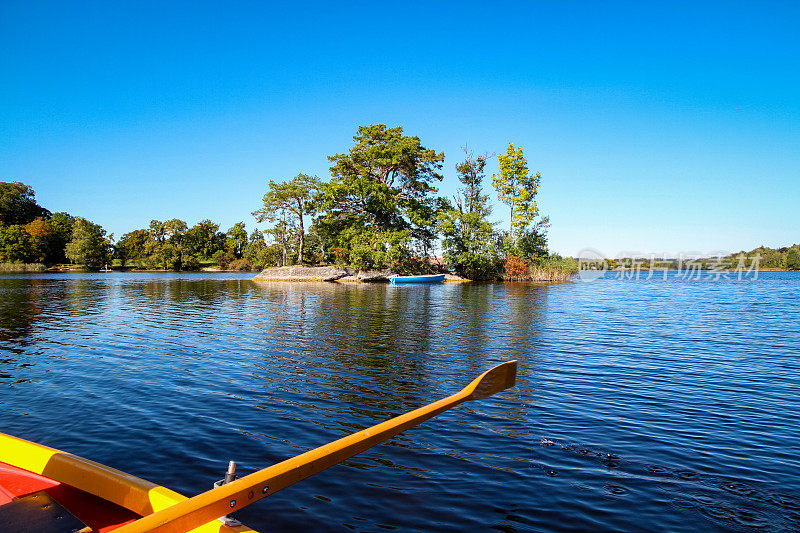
[660, 404]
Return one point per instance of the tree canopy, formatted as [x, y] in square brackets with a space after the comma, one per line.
[380, 204]
[18, 204]
[89, 245]
[517, 188]
[296, 197]
[468, 237]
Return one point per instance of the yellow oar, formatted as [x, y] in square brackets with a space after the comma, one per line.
[220, 501]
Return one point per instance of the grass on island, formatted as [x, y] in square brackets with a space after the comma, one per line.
[553, 268]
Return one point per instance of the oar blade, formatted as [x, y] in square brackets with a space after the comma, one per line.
[494, 380]
[200, 509]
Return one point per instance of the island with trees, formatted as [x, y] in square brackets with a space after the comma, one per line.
[379, 212]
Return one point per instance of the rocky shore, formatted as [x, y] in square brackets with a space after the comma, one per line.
[329, 273]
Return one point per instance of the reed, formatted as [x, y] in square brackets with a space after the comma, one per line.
[22, 267]
[553, 268]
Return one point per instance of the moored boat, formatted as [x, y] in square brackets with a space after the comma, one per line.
[433, 278]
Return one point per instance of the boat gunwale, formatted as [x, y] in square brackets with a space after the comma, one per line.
[133, 493]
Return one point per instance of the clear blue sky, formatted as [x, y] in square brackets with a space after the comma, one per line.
[656, 126]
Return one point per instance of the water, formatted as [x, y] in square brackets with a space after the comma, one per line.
[640, 405]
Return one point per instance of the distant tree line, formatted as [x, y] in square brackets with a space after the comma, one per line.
[785, 258]
[29, 233]
[173, 245]
[763, 257]
[379, 210]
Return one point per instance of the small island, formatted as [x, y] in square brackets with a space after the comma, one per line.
[378, 214]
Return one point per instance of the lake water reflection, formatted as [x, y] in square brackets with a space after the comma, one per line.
[640, 405]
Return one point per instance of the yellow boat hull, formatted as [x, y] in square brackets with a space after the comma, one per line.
[130, 492]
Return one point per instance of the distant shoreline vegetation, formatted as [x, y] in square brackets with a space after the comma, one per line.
[761, 258]
[378, 211]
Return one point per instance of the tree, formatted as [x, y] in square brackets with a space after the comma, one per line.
[41, 234]
[61, 224]
[793, 259]
[253, 249]
[136, 245]
[175, 230]
[380, 201]
[157, 231]
[18, 204]
[201, 239]
[89, 245]
[14, 244]
[295, 197]
[237, 239]
[282, 233]
[469, 241]
[517, 188]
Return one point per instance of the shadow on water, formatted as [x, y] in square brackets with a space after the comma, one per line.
[22, 304]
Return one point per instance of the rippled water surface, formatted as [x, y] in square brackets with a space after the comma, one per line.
[666, 405]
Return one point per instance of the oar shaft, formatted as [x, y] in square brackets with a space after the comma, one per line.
[222, 500]
[214, 503]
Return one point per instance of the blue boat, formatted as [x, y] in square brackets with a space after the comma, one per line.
[435, 278]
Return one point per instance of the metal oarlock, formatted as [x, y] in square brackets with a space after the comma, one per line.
[230, 475]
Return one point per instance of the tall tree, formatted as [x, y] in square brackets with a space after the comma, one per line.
[237, 239]
[18, 204]
[41, 236]
[469, 242]
[15, 244]
[89, 245]
[793, 259]
[61, 224]
[282, 233]
[136, 245]
[175, 231]
[381, 198]
[295, 197]
[517, 188]
[201, 239]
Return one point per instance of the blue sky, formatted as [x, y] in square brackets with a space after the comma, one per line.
[658, 127]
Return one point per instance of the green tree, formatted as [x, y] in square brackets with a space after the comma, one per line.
[253, 249]
[89, 245]
[295, 197]
[175, 231]
[237, 239]
[18, 204]
[793, 259]
[135, 246]
[469, 241]
[201, 239]
[517, 188]
[282, 233]
[532, 241]
[61, 224]
[157, 231]
[381, 201]
[15, 244]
